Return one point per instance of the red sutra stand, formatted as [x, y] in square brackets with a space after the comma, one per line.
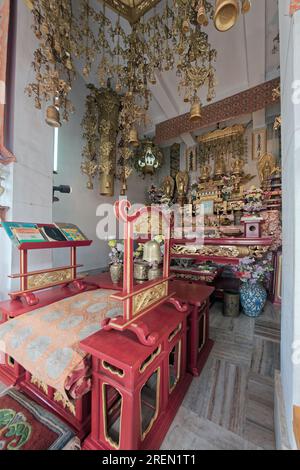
[137, 389]
[140, 368]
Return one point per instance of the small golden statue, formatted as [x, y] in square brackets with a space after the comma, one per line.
[182, 183]
[237, 167]
[220, 167]
[168, 187]
[205, 172]
[266, 166]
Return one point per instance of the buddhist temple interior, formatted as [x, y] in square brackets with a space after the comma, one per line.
[149, 226]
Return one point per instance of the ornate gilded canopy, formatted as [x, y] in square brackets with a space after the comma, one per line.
[132, 10]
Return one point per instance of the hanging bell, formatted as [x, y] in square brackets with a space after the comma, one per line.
[202, 17]
[195, 113]
[246, 6]
[226, 14]
[133, 137]
[53, 117]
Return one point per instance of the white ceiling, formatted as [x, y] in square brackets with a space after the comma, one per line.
[244, 60]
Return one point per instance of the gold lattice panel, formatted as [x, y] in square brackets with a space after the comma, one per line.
[132, 10]
[38, 281]
[145, 299]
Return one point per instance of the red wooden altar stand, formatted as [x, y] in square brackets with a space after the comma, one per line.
[199, 345]
[137, 389]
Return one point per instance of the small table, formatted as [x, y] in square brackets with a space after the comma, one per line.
[199, 344]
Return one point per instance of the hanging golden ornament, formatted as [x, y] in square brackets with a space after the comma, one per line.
[202, 17]
[226, 14]
[118, 87]
[53, 116]
[195, 113]
[186, 26]
[246, 6]
[133, 137]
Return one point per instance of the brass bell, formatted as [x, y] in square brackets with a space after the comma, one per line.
[152, 253]
[226, 14]
[195, 113]
[201, 17]
[246, 6]
[53, 116]
[133, 137]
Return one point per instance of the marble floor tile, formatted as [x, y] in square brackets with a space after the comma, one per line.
[219, 395]
[266, 357]
[189, 432]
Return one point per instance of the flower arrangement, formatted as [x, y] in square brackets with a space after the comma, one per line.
[117, 252]
[253, 271]
[253, 199]
[228, 184]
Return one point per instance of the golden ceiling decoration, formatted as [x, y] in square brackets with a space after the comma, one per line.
[132, 10]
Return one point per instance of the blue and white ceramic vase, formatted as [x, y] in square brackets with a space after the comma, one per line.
[253, 298]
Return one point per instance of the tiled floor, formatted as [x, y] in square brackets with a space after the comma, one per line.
[231, 405]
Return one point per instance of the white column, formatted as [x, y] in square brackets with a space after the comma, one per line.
[290, 72]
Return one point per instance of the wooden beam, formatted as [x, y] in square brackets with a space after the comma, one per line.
[246, 102]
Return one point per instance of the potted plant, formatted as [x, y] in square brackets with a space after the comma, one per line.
[116, 256]
[253, 274]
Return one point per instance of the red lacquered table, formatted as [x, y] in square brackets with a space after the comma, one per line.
[199, 344]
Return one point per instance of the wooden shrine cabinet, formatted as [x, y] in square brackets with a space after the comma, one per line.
[137, 389]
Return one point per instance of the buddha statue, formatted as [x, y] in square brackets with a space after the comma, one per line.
[182, 182]
[220, 167]
[205, 172]
[237, 167]
[168, 187]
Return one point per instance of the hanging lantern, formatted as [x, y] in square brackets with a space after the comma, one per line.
[133, 137]
[195, 113]
[226, 14]
[53, 116]
[149, 158]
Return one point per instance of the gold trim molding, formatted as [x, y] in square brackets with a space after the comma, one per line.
[221, 251]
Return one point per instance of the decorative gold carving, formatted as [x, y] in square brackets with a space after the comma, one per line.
[150, 359]
[39, 384]
[221, 251]
[100, 150]
[132, 11]
[266, 166]
[149, 297]
[168, 187]
[220, 134]
[59, 398]
[38, 281]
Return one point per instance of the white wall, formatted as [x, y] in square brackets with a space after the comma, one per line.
[80, 206]
[32, 143]
[290, 71]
